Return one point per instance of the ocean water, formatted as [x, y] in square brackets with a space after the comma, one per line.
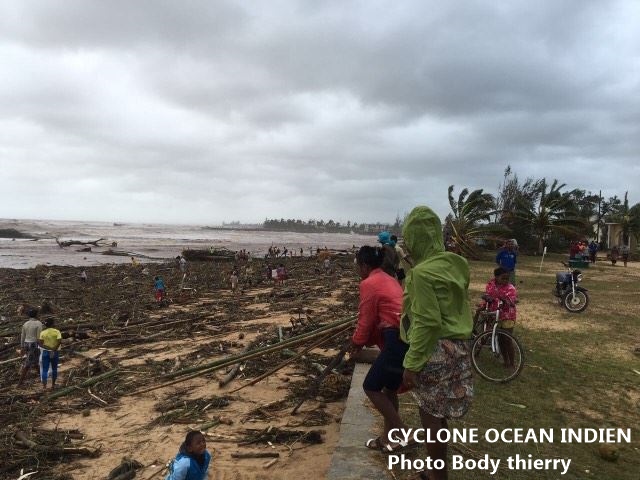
[157, 242]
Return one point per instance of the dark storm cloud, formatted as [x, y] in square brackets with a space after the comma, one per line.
[204, 111]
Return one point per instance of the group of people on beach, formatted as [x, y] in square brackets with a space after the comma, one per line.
[414, 306]
[40, 345]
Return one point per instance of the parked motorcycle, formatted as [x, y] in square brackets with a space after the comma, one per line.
[574, 297]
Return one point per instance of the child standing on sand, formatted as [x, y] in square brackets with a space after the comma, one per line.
[234, 280]
[192, 461]
[281, 273]
[160, 289]
[49, 341]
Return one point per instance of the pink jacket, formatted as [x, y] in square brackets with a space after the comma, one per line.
[504, 292]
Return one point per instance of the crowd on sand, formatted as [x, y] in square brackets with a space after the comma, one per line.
[413, 306]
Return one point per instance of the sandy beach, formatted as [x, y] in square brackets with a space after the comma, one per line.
[112, 322]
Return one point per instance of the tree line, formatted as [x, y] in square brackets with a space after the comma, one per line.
[536, 212]
[330, 226]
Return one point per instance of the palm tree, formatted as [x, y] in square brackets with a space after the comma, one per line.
[629, 219]
[469, 219]
[549, 212]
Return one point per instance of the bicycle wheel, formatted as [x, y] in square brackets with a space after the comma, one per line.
[498, 359]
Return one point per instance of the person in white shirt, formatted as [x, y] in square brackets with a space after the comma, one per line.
[29, 343]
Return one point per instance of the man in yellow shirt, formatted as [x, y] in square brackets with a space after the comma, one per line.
[50, 339]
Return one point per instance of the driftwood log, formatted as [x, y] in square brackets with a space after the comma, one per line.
[236, 369]
[68, 243]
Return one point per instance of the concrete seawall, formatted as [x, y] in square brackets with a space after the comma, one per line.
[351, 459]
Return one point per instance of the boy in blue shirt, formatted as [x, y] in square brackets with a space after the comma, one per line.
[160, 288]
[507, 258]
[192, 461]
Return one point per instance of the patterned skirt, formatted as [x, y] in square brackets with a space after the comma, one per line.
[445, 385]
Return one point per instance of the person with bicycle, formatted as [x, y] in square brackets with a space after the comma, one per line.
[504, 297]
[437, 325]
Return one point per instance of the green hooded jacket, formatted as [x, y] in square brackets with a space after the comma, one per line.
[436, 303]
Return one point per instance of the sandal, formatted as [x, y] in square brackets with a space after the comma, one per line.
[395, 446]
[374, 444]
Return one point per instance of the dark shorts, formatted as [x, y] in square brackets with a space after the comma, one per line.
[386, 371]
[33, 354]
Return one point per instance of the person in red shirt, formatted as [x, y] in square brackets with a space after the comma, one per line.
[379, 324]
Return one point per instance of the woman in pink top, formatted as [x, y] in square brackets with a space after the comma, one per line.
[378, 324]
[499, 289]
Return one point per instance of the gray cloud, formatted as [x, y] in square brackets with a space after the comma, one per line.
[204, 111]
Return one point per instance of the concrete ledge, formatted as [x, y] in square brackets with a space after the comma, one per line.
[351, 460]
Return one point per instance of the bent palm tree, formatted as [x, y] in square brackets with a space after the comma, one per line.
[549, 212]
[468, 221]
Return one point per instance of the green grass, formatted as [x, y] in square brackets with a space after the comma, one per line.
[579, 373]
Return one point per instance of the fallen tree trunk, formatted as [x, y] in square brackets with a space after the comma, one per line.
[68, 243]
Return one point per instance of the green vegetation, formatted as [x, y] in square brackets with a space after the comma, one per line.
[469, 219]
[580, 372]
[537, 213]
[312, 225]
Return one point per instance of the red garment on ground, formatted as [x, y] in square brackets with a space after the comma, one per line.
[380, 307]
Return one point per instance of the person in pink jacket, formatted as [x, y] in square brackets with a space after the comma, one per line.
[505, 295]
[379, 324]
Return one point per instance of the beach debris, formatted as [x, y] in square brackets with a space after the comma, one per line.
[281, 436]
[117, 342]
[255, 455]
[193, 372]
[315, 386]
[55, 450]
[126, 470]
[194, 255]
[24, 476]
[68, 243]
[177, 410]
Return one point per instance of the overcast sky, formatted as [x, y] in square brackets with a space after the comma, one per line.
[204, 111]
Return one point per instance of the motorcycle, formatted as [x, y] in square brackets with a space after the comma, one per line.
[574, 297]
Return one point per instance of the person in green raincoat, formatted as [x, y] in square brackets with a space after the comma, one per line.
[437, 325]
